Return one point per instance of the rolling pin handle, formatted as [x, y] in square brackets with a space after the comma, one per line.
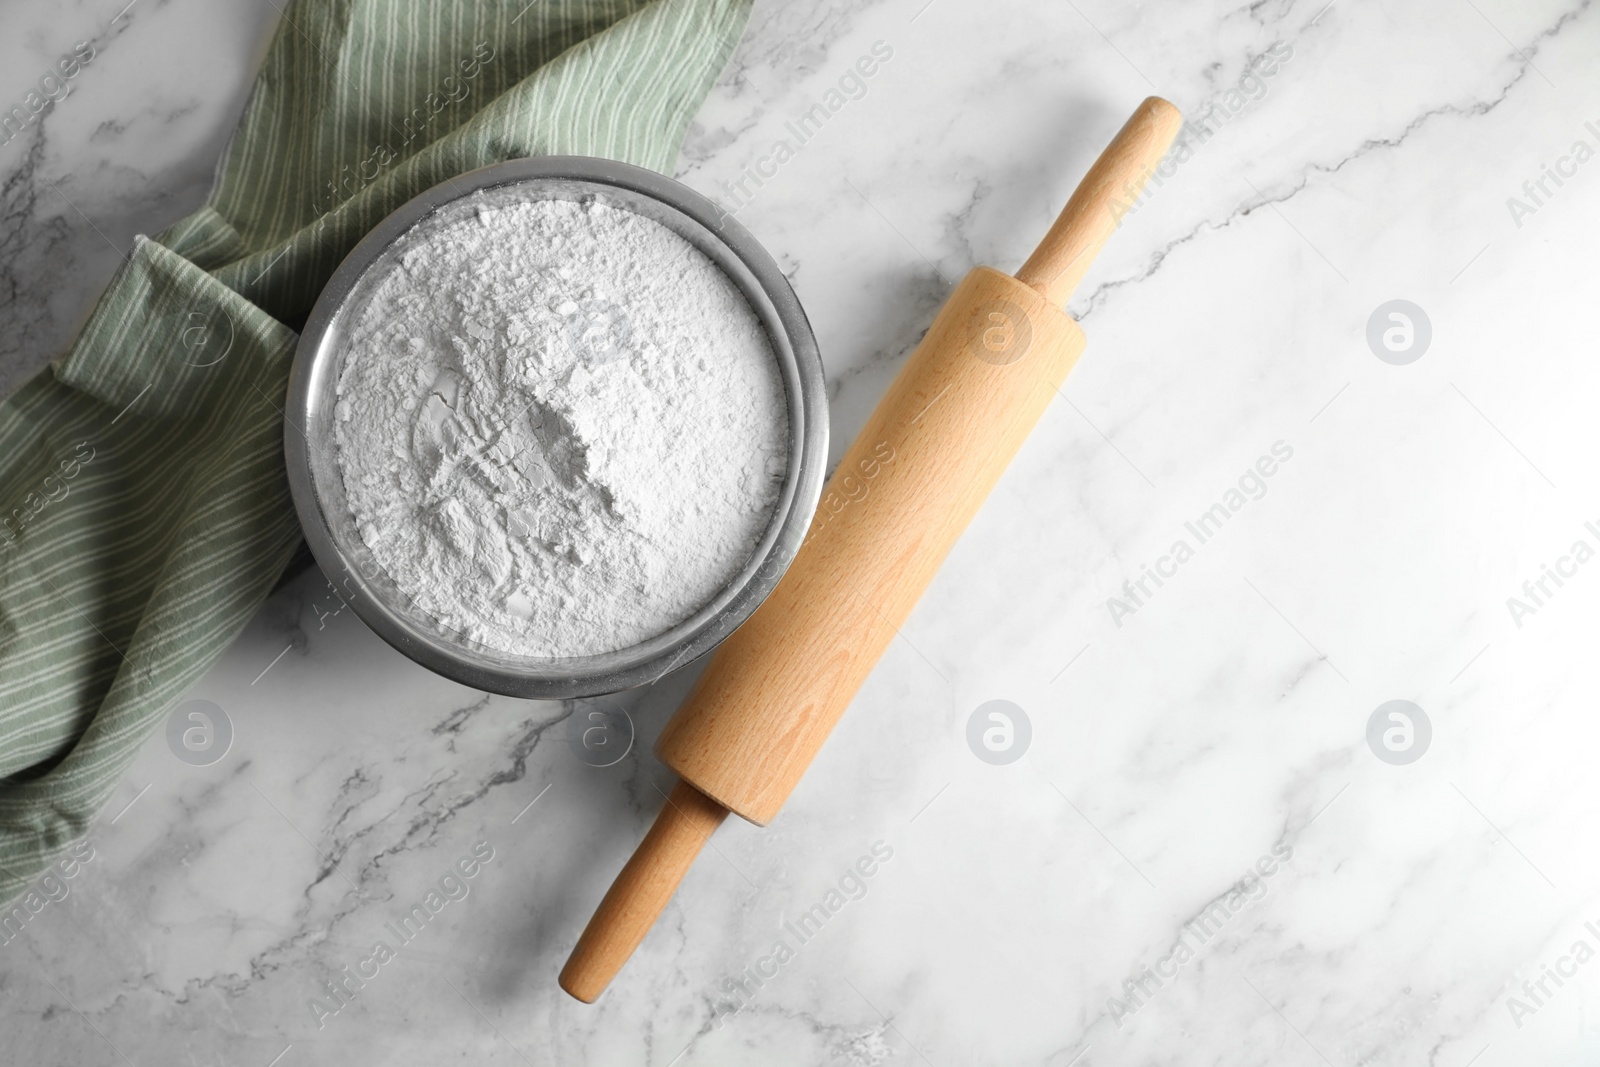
[641, 891]
[1100, 201]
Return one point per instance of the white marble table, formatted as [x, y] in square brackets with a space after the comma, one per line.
[1200, 859]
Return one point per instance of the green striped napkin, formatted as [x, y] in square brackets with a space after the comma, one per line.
[144, 513]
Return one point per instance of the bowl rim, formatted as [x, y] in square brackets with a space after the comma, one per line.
[361, 584]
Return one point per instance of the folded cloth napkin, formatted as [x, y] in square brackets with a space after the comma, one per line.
[144, 511]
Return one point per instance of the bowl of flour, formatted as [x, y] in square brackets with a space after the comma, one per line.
[556, 427]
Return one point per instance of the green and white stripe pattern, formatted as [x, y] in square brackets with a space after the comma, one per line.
[144, 505]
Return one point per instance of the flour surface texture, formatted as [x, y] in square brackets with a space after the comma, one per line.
[561, 427]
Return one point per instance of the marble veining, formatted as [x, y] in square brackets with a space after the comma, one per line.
[1201, 858]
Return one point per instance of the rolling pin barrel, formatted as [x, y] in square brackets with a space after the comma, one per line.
[955, 415]
[907, 487]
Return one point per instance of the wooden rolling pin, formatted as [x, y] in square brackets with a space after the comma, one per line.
[917, 474]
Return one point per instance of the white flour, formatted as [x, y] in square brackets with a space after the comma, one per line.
[561, 427]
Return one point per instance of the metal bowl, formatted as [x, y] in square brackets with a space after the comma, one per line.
[318, 485]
